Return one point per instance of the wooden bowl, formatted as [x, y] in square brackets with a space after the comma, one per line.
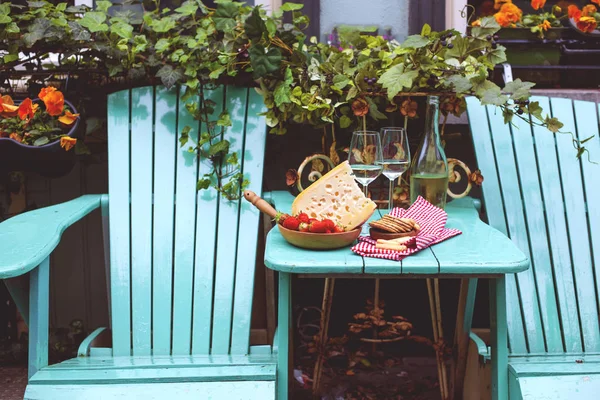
[319, 241]
[379, 234]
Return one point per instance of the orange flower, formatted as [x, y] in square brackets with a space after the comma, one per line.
[67, 142]
[574, 12]
[588, 10]
[26, 109]
[478, 22]
[537, 4]
[360, 107]
[68, 118]
[45, 92]
[508, 15]
[499, 3]
[409, 108]
[55, 102]
[16, 137]
[596, 2]
[545, 25]
[7, 106]
[587, 24]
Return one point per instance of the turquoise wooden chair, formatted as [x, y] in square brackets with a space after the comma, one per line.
[537, 192]
[181, 263]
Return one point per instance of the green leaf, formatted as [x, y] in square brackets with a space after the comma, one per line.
[460, 83]
[94, 21]
[535, 109]
[415, 42]
[489, 93]
[264, 62]
[169, 75]
[291, 7]
[162, 45]
[340, 81]
[217, 72]
[61, 7]
[553, 124]
[460, 48]
[163, 25]
[42, 140]
[5, 19]
[8, 58]
[426, 30]
[78, 32]
[497, 55]
[518, 89]
[352, 93]
[187, 8]
[103, 5]
[374, 111]
[507, 113]
[224, 119]
[221, 147]
[185, 136]
[37, 4]
[345, 121]
[122, 29]
[395, 79]
[12, 28]
[489, 26]
[203, 183]
[254, 25]
[140, 43]
[224, 16]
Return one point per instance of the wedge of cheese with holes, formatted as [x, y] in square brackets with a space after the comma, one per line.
[336, 196]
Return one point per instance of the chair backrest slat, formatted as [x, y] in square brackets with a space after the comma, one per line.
[142, 116]
[118, 215]
[227, 233]
[165, 147]
[252, 165]
[557, 233]
[206, 241]
[182, 260]
[570, 172]
[536, 191]
[482, 141]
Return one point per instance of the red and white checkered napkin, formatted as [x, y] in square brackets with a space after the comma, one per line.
[431, 219]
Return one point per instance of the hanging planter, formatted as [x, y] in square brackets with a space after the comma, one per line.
[38, 135]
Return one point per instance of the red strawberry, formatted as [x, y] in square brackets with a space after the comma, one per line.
[318, 227]
[303, 217]
[291, 223]
[330, 224]
[328, 231]
[311, 220]
[303, 227]
[338, 229]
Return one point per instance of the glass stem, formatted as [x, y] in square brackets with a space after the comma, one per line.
[366, 190]
[391, 197]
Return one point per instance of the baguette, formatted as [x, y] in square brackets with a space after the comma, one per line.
[390, 246]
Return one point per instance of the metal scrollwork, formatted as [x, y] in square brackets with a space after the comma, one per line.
[455, 177]
[317, 168]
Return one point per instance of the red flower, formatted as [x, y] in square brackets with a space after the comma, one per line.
[26, 109]
[574, 12]
[587, 24]
[537, 4]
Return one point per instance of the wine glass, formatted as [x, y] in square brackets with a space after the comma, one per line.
[396, 156]
[365, 157]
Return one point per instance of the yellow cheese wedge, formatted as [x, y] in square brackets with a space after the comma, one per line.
[336, 196]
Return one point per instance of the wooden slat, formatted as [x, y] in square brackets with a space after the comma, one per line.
[515, 217]
[142, 108]
[185, 221]
[165, 139]
[570, 172]
[584, 111]
[252, 167]
[118, 187]
[494, 205]
[538, 239]
[206, 227]
[557, 233]
[227, 232]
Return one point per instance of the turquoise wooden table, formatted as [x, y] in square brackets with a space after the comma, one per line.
[480, 252]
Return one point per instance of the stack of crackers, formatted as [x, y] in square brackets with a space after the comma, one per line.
[395, 225]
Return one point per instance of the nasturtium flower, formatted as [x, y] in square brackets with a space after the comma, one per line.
[537, 4]
[68, 118]
[55, 103]
[45, 92]
[26, 109]
[587, 24]
[574, 12]
[588, 10]
[7, 107]
[545, 25]
[596, 2]
[499, 3]
[67, 142]
[508, 15]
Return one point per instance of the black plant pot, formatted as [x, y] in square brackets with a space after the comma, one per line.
[49, 160]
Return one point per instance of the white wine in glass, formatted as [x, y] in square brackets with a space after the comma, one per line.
[396, 156]
[365, 157]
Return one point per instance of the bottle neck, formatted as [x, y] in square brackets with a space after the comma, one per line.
[432, 118]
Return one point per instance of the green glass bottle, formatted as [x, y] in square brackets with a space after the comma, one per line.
[429, 170]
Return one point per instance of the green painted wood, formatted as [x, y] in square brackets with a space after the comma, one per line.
[494, 206]
[86, 344]
[39, 308]
[165, 139]
[281, 200]
[185, 221]
[284, 315]
[229, 231]
[545, 145]
[249, 390]
[206, 226]
[570, 172]
[106, 244]
[514, 389]
[554, 368]
[252, 161]
[29, 238]
[517, 229]
[499, 338]
[538, 239]
[142, 118]
[557, 386]
[118, 215]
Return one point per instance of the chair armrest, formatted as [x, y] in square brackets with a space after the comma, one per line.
[280, 199]
[28, 238]
[86, 345]
[482, 348]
